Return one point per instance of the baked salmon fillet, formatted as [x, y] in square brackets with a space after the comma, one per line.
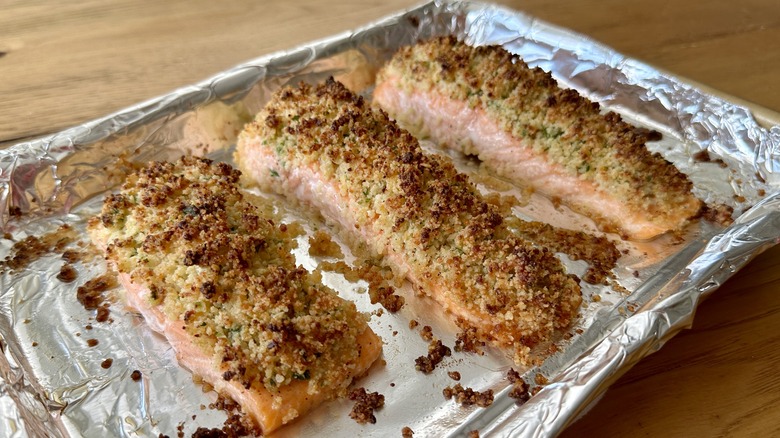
[217, 279]
[326, 147]
[486, 102]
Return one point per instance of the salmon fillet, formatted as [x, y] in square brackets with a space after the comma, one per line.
[325, 147]
[217, 279]
[484, 101]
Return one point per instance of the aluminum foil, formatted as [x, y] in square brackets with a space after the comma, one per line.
[52, 383]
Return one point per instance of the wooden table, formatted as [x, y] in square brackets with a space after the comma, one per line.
[62, 63]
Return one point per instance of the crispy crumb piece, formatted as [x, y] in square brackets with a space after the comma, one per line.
[468, 397]
[102, 313]
[454, 375]
[234, 427]
[540, 379]
[321, 245]
[520, 393]
[135, 375]
[386, 296]
[474, 434]
[413, 324]
[436, 353]
[407, 432]
[468, 339]
[237, 424]
[365, 404]
[203, 432]
[513, 376]
[520, 388]
[426, 333]
[92, 293]
[226, 404]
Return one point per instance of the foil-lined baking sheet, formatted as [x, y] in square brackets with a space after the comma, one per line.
[52, 382]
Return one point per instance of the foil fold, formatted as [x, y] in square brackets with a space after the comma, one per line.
[61, 178]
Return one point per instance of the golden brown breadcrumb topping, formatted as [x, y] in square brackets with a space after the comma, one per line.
[212, 262]
[417, 208]
[559, 123]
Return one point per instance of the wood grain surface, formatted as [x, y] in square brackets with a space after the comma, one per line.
[63, 63]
